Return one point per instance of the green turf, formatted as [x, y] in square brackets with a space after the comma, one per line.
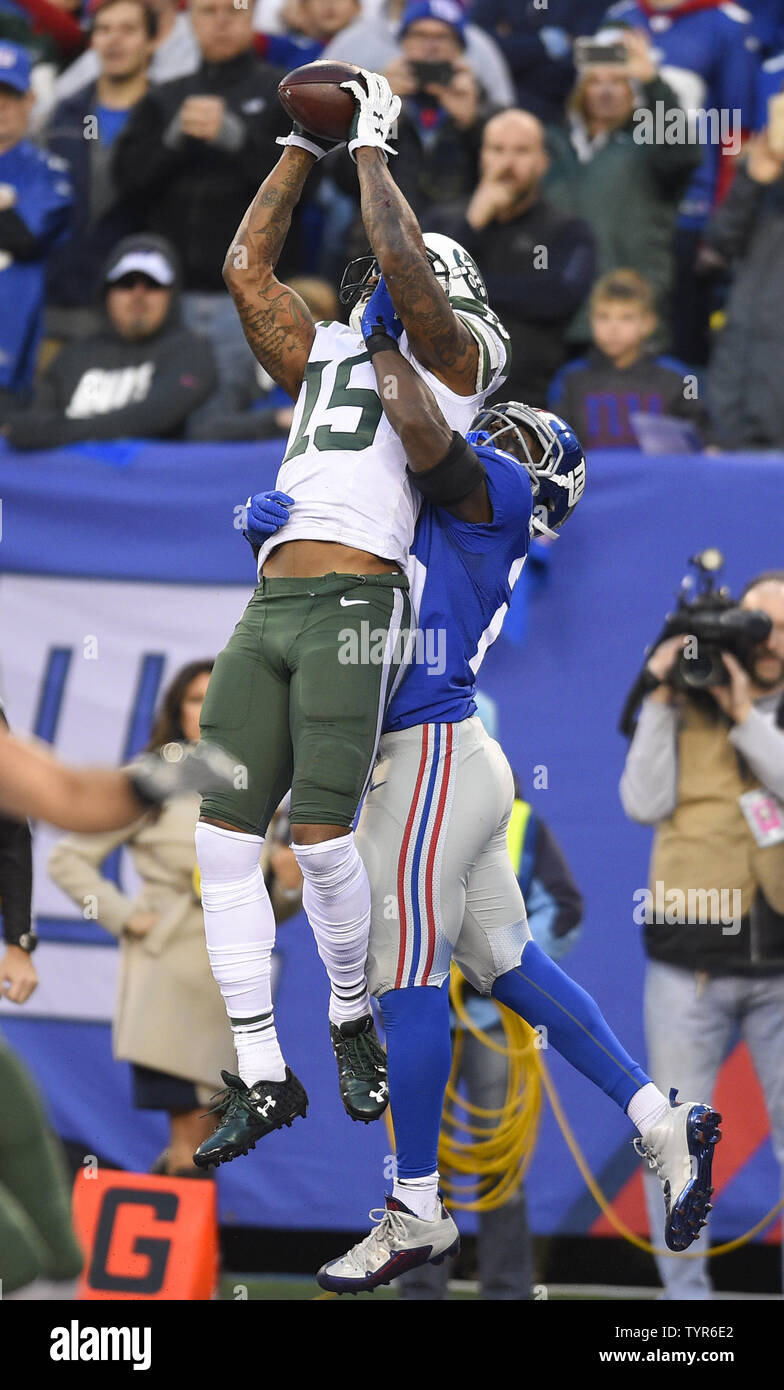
[278, 1289]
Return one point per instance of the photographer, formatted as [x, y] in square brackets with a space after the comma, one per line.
[706, 767]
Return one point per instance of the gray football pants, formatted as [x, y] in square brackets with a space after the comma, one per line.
[432, 835]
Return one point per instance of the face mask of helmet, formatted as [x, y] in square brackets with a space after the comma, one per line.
[557, 474]
[456, 272]
[359, 281]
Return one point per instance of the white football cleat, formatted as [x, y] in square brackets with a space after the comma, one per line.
[680, 1147]
[399, 1242]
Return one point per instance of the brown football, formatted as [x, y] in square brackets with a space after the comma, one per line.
[312, 96]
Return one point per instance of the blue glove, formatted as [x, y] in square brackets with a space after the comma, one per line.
[265, 513]
[380, 315]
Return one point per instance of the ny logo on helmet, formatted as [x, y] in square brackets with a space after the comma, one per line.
[573, 482]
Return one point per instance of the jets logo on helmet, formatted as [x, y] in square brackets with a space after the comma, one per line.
[557, 475]
[454, 268]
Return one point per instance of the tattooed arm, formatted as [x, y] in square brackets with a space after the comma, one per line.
[438, 338]
[276, 322]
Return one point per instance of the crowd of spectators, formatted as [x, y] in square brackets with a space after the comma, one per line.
[618, 175]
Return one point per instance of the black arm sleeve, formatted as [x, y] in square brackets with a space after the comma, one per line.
[16, 878]
[458, 474]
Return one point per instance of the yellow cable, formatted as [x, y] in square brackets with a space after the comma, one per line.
[482, 1165]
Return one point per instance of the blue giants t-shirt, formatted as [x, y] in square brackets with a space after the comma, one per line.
[461, 576]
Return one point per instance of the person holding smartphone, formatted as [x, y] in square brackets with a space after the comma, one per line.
[444, 106]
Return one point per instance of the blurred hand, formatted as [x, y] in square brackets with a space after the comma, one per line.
[763, 165]
[640, 66]
[400, 76]
[202, 117]
[283, 863]
[489, 201]
[18, 976]
[660, 664]
[140, 922]
[735, 698]
[284, 417]
[461, 98]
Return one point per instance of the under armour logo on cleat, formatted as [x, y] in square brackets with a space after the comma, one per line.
[269, 1105]
[381, 1093]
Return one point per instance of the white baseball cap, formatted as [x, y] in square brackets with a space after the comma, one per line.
[151, 263]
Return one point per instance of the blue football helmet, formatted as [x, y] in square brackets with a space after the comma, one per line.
[557, 476]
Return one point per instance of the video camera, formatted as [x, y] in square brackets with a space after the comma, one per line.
[708, 614]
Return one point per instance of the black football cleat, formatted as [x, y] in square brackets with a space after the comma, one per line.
[247, 1113]
[362, 1068]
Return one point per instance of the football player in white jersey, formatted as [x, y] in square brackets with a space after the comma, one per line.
[282, 698]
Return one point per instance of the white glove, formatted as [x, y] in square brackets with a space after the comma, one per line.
[377, 111]
[317, 145]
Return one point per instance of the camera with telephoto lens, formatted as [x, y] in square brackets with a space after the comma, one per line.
[708, 614]
[717, 623]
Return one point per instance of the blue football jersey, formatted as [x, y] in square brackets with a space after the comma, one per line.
[462, 575]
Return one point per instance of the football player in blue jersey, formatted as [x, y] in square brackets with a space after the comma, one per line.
[433, 829]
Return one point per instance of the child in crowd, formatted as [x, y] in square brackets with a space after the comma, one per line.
[622, 373]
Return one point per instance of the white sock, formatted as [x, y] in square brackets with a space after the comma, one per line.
[420, 1195]
[336, 898]
[239, 925]
[646, 1107]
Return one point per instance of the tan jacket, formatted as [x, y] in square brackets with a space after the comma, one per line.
[169, 1015]
[706, 842]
